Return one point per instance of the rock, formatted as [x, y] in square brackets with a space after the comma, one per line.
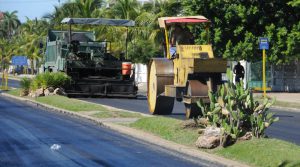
[212, 131]
[208, 142]
[189, 124]
[39, 92]
[210, 138]
[46, 92]
[31, 94]
[51, 89]
[203, 121]
[24, 93]
[59, 91]
[247, 136]
[201, 131]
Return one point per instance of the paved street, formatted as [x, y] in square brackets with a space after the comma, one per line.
[286, 129]
[32, 137]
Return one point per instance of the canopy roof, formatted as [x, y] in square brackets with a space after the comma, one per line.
[99, 21]
[163, 21]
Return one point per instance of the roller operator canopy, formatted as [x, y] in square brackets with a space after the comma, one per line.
[166, 21]
[99, 21]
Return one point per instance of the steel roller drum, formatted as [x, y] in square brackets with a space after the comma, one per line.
[160, 73]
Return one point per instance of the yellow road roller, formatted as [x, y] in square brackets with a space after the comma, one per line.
[188, 70]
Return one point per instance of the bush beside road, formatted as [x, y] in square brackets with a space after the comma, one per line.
[253, 152]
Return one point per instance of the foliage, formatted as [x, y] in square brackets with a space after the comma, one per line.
[25, 84]
[8, 29]
[9, 24]
[238, 24]
[142, 51]
[234, 110]
[48, 79]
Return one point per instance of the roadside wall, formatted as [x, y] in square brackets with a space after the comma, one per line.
[141, 73]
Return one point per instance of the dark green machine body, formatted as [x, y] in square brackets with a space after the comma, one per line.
[90, 64]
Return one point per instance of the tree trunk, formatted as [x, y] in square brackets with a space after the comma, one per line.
[32, 66]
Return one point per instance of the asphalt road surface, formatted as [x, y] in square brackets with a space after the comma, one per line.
[30, 136]
[287, 128]
[11, 83]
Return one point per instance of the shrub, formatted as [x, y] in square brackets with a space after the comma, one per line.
[48, 79]
[25, 84]
[233, 109]
[36, 82]
[60, 79]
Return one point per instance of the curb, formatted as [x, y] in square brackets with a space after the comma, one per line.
[297, 110]
[140, 135]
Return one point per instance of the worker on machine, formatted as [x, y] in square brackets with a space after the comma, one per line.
[180, 36]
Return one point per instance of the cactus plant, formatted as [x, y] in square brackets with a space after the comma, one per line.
[233, 109]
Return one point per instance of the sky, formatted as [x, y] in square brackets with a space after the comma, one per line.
[30, 8]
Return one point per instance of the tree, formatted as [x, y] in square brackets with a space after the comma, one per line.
[33, 32]
[8, 28]
[76, 8]
[238, 24]
[10, 23]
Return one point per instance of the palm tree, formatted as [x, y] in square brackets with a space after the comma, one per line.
[11, 23]
[87, 7]
[125, 9]
[7, 50]
[76, 8]
[33, 32]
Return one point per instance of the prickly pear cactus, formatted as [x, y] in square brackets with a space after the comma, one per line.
[233, 109]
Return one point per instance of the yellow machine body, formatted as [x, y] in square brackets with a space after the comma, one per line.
[195, 59]
[187, 75]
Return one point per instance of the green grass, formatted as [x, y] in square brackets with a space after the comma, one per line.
[69, 104]
[14, 92]
[117, 114]
[263, 152]
[76, 105]
[167, 128]
[256, 152]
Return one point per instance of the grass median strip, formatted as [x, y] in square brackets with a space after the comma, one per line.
[167, 128]
[263, 152]
[69, 104]
[80, 106]
[256, 152]
[117, 114]
[15, 92]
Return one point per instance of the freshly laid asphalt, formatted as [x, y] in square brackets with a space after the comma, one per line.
[30, 136]
[287, 128]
